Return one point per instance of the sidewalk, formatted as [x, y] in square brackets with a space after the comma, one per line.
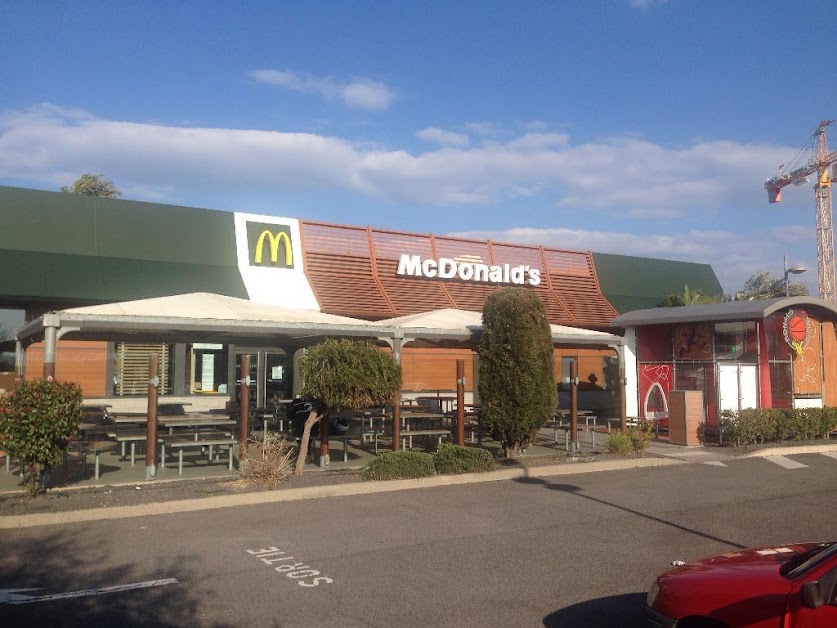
[136, 499]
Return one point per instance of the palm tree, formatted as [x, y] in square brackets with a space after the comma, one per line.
[92, 185]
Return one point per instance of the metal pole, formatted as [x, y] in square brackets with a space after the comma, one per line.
[50, 340]
[396, 424]
[244, 409]
[623, 402]
[151, 423]
[787, 287]
[460, 403]
[574, 404]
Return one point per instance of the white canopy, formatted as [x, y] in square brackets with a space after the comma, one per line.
[453, 324]
[204, 305]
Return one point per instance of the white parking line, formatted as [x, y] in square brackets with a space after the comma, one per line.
[785, 462]
[715, 463]
[830, 454]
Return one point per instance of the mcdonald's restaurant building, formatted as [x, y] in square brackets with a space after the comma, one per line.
[60, 251]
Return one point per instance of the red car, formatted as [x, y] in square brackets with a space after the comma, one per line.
[789, 586]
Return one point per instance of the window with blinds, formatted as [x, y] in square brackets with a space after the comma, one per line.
[131, 368]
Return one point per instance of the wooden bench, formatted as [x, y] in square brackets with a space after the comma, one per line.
[129, 436]
[83, 449]
[407, 436]
[558, 425]
[200, 444]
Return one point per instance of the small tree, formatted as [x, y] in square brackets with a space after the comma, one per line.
[763, 284]
[517, 368]
[345, 375]
[689, 297]
[37, 419]
[92, 185]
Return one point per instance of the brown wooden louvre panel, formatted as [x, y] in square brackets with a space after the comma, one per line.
[131, 369]
[353, 272]
[345, 285]
[517, 255]
[583, 299]
[338, 257]
[408, 295]
[411, 295]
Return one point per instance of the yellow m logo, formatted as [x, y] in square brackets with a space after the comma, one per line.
[274, 240]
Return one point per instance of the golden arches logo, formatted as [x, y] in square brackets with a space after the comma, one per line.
[274, 239]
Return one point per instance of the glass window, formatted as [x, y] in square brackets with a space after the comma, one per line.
[736, 341]
[209, 366]
[781, 384]
[654, 343]
[693, 341]
[565, 372]
[777, 346]
[698, 377]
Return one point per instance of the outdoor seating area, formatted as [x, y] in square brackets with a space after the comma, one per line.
[111, 447]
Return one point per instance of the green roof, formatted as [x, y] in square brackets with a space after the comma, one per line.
[68, 247]
[58, 248]
[638, 283]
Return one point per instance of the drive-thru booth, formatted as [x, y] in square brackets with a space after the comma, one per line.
[770, 353]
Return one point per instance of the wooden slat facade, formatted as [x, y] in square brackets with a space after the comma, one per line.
[352, 271]
[829, 352]
[82, 362]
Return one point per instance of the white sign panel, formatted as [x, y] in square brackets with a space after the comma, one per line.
[270, 261]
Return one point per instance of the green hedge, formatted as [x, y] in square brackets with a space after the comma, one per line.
[756, 426]
[399, 465]
[450, 459]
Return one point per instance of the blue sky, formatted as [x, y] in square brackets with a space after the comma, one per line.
[639, 127]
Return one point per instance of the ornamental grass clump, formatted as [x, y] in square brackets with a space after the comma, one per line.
[399, 465]
[271, 463]
[619, 443]
[451, 459]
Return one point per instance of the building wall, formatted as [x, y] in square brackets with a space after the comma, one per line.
[829, 350]
[435, 369]
[82, 362]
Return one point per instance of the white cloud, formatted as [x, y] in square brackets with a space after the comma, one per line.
[623, 175]
[443, 137]
[485, 129]
[360, 93]
[645, 4]
[734, 257]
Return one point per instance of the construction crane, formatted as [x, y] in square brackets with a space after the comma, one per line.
[820, 164]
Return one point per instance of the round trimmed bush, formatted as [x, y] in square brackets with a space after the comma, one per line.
[451, 459]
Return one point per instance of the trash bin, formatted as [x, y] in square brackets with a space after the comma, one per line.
[299, 411]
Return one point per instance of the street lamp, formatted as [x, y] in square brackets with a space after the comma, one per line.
[795, 270]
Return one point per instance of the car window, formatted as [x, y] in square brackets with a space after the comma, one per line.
[801, 564]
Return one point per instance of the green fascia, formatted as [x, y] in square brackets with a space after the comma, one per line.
[66, 246]
[638, 283]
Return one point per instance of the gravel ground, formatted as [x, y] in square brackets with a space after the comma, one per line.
[69, 499]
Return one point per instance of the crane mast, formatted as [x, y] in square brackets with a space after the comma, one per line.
[819, 164]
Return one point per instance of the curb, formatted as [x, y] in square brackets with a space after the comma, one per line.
[313, 492]
[790, 451]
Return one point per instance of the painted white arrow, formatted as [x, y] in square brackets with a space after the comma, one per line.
[13, 596]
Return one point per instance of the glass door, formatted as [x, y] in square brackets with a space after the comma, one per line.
[277, 378]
